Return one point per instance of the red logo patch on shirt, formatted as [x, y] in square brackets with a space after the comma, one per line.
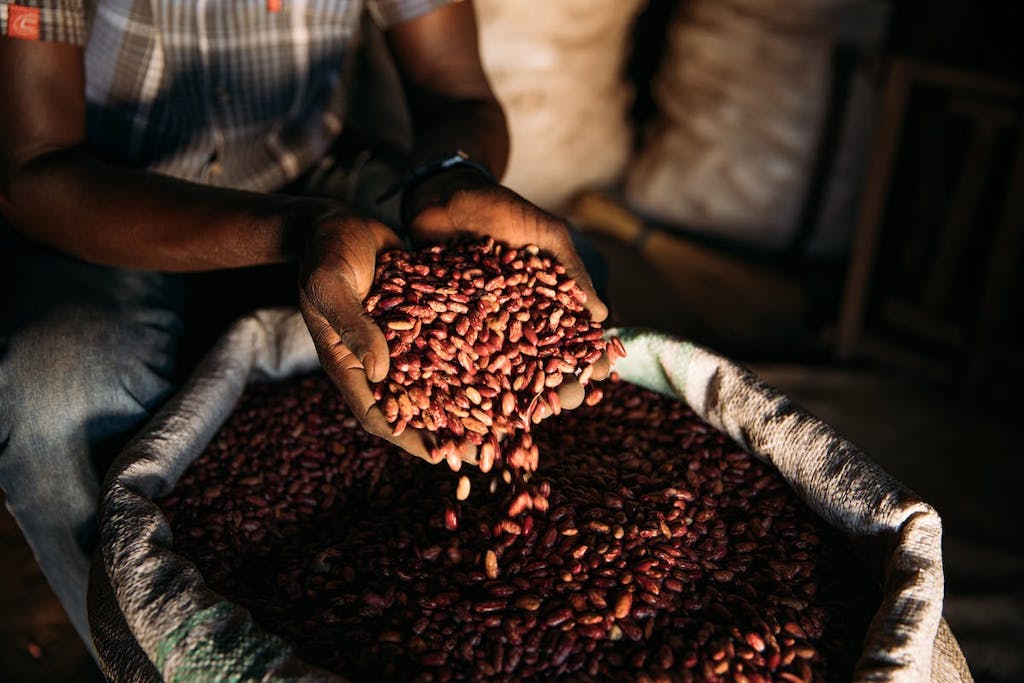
[273, 6]
[23, 22]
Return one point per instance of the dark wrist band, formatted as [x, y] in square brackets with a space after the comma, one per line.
[430, 168]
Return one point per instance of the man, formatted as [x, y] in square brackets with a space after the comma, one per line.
[144, 138]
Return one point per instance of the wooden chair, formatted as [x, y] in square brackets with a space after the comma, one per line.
[957, 269]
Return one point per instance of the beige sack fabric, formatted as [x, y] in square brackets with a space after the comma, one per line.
[190, 633]
[557, 69]
[742, 92]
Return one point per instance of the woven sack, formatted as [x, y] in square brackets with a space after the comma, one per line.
[742, 92]
[557, 68]
[153, 617]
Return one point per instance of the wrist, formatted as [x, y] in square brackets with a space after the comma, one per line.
[439, 188]
[305, 218]
[433, 182]
[337, 225]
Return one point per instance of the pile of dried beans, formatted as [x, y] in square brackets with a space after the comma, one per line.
[667, 553]
[481, 335]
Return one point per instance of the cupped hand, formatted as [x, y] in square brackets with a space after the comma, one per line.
[466, 203]
[456, 204]
[335, 275]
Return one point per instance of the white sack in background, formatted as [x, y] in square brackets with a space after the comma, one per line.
[742, 92]
[557, 68]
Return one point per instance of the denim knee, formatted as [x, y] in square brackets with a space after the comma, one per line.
[76, 379]
[71, 383]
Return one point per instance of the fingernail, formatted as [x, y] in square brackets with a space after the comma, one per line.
[368, 365]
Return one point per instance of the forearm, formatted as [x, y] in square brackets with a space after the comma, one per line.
[129, 218]
[476, 126]
[450, 99]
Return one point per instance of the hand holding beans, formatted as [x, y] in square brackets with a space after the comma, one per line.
[336, 272]
[489, 210]
[532, 373]
[469, 204]
[481, 336]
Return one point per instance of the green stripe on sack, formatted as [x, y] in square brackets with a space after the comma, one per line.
[232, 650]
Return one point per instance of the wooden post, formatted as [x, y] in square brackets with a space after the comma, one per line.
[876, 190]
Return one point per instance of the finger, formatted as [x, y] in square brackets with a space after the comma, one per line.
[602, 368]
[351, 381]
[571, 391]
[468, 453]
[347, 373]
[570, 394]
[339, 304]
[386, 237]
[565, 251]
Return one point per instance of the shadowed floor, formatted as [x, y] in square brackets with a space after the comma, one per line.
[37, 642]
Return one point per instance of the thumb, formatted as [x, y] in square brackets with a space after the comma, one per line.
[342, 307]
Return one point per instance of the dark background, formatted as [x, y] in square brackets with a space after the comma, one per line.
[952, 441]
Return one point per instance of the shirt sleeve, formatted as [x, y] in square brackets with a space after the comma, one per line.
[387, 13]
[57, 21]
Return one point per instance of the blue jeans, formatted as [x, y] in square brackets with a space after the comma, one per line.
[86, 354]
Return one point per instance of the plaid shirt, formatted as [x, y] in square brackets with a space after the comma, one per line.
[237, 93]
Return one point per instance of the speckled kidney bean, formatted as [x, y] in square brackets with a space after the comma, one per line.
[667, 554]
[480, 336]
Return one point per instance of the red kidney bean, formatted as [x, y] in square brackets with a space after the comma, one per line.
[661, 558]
[494, 289]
